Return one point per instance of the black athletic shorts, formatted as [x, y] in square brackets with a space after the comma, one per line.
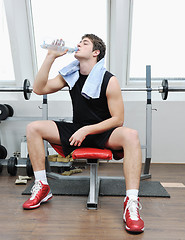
[66, 130]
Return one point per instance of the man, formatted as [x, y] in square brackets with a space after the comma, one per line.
[97, 122]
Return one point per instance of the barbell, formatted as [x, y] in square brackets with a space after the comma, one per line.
[163, 89]
[26, 89]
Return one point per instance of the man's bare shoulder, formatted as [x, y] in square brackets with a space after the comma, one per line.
[113, 86]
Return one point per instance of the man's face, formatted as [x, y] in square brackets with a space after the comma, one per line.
[85, 49]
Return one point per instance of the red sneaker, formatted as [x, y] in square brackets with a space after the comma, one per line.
[40, 193]
[134, 222]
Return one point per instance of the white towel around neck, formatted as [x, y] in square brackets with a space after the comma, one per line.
[92, 86]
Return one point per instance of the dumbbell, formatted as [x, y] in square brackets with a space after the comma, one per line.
[5, 111]
[12, 166]
[3, 154]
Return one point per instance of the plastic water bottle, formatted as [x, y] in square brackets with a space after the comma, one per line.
[58, 48]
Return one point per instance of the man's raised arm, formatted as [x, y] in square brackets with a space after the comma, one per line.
[41, 84]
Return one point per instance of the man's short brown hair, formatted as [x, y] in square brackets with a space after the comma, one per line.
[98, 44]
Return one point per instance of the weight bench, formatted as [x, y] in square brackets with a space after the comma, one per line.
[92, 156]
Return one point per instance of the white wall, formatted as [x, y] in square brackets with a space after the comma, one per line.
[168, 130]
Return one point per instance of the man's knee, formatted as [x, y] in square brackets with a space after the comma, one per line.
[131, 136]
[32, 128]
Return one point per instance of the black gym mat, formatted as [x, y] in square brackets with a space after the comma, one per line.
[108, 187]
[147, 188]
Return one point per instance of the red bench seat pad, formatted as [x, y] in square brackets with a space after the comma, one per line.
[92, 153]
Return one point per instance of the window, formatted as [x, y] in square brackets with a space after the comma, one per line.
[69, 20]
[158, 39]
[6, 63]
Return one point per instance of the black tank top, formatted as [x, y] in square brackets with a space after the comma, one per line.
[89, 111]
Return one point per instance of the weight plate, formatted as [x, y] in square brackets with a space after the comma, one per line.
[3, 152]
[1, 168]
[29, 169]
[10, 108]
[4, 112]
[26, 90]
[11, 166]
[165, 89]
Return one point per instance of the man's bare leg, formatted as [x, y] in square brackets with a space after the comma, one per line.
[36, 133]
[128, 140]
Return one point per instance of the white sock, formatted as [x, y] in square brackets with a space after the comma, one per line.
[132, 192]
[41, 176]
